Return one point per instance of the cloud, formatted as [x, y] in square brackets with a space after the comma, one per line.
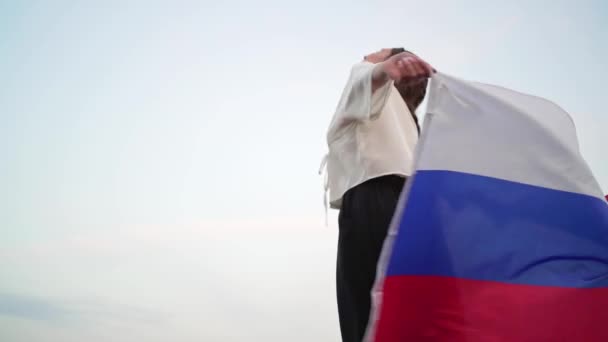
[187, 282]
[30, 307]
[75, 311]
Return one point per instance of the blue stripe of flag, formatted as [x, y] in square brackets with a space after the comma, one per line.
[475, 227]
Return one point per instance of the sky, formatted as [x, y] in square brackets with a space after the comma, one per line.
[158, 159]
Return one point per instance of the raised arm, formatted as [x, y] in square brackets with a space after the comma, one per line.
[370, 82]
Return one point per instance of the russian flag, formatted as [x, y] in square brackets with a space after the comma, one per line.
[502, 232]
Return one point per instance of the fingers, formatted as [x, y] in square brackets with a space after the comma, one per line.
[407, 67]
[412, 67]
[429, 68]
[419, 68]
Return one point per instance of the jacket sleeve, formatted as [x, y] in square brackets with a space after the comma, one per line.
[357, 102]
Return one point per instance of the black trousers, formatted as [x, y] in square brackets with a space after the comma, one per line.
[364, 219]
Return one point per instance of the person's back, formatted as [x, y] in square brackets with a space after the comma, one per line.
[371, 142]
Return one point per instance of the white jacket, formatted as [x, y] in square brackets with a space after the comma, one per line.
[370, 135]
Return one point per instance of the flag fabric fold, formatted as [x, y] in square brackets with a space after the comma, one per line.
[502, 232]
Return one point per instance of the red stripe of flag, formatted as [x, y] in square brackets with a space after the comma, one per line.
[432, 308]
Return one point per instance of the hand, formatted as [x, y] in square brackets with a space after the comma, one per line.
[406, 67]
[378, 56]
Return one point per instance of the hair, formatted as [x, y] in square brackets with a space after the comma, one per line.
[412, 93]
[395, 51]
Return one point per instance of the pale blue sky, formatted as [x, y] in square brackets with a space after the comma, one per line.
[158, 158]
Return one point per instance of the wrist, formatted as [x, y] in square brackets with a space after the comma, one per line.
[379, 76]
